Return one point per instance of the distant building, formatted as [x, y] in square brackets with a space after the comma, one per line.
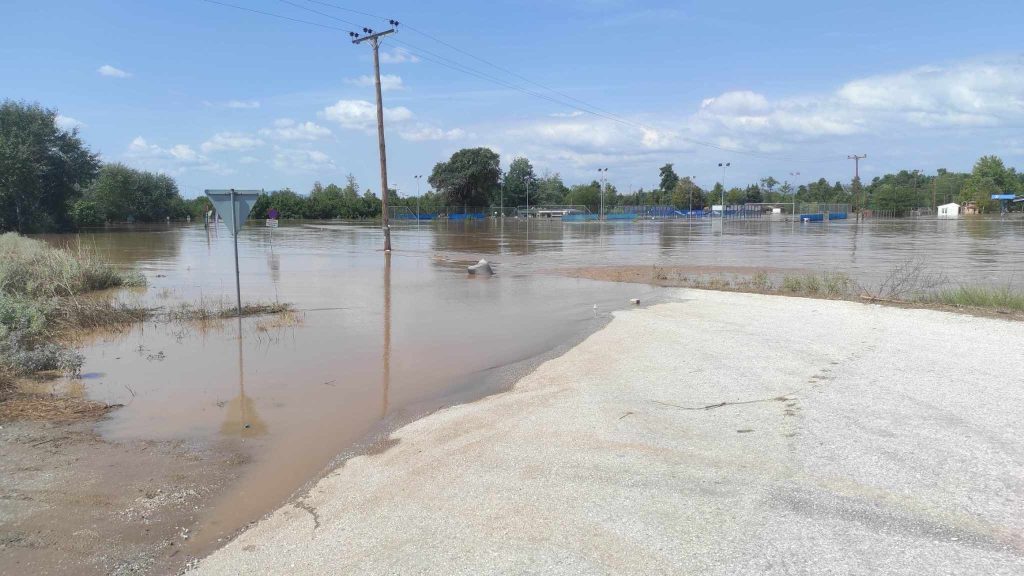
[951, 210]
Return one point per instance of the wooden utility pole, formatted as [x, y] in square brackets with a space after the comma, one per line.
[374, 39]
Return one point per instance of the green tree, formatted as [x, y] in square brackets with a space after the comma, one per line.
[86, 214]
[669, 179]
[43, 169]
[551, 189]
[687, 194]
[989, 176]
[588, 195]
[891, 196]
[715, 197]
[468, 178]
[126, 194]
[753, 195]
[520, 171]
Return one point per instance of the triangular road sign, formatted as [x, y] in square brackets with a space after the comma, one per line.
[244, 201]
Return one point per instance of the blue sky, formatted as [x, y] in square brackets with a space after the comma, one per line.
[218, 97]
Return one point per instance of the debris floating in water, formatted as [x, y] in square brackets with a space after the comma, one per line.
[483, 268]
[635, 301]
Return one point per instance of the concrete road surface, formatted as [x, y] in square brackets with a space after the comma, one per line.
[722, 434]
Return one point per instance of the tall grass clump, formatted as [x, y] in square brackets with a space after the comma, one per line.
[827, 284]
[39, 300]
[993, 297]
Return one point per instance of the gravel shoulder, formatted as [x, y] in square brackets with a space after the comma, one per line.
[725, 433]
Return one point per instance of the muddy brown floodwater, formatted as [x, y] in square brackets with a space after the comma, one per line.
[240, 424]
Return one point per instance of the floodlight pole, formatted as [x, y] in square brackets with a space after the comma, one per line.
[374, 39]
[234, 227]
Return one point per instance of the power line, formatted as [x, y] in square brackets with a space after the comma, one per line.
[271, 14]
[459, 67]
[301, 7]
[473, 56]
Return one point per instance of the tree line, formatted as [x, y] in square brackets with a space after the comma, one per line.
[51, 181]
[472, 177]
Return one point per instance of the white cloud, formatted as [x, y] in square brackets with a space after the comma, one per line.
[970, 94]
[177, 159]
[362, 115]
[110, 71]
[387, 82]
[231, 141]
[398, 56]
[248, 160]
[243, 104]
[421, 133]
[288, 129]
[294, 160]
[573, 114]
[184, 152]
[67, 122]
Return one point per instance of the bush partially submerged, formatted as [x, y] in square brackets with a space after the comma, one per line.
[41, 297]
[32, 269]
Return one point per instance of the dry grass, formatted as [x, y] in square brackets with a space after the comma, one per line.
[51, 408]
[208, 310]
[285, 319]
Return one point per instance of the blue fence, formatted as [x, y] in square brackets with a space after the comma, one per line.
[812, 217]
[407, 216]
[579, 217]
[468, 216]
[837, 216]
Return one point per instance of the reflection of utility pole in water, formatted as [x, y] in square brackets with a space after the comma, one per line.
[386, 356]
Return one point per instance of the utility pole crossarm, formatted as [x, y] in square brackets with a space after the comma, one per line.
[372, 37]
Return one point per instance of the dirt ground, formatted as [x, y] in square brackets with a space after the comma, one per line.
[72, 503]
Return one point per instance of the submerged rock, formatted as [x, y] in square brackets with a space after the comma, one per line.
[483, 268]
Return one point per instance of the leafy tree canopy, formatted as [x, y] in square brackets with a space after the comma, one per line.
[43, 169]
[468, 178]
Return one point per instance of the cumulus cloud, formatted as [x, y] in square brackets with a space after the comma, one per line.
[111, 72]
[288, 129]
[176, 159]
[387, 82]
[231, 141]
[422, 133]
[398, 56]
[362, 115]
[296, 160]
[963, 95]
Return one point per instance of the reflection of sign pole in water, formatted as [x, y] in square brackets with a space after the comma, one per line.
[238, 204]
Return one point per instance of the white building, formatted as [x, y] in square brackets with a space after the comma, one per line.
[951, 210]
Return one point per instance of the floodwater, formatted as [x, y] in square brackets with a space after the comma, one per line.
[379, 340]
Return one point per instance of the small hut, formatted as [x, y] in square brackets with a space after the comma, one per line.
[951, 210]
